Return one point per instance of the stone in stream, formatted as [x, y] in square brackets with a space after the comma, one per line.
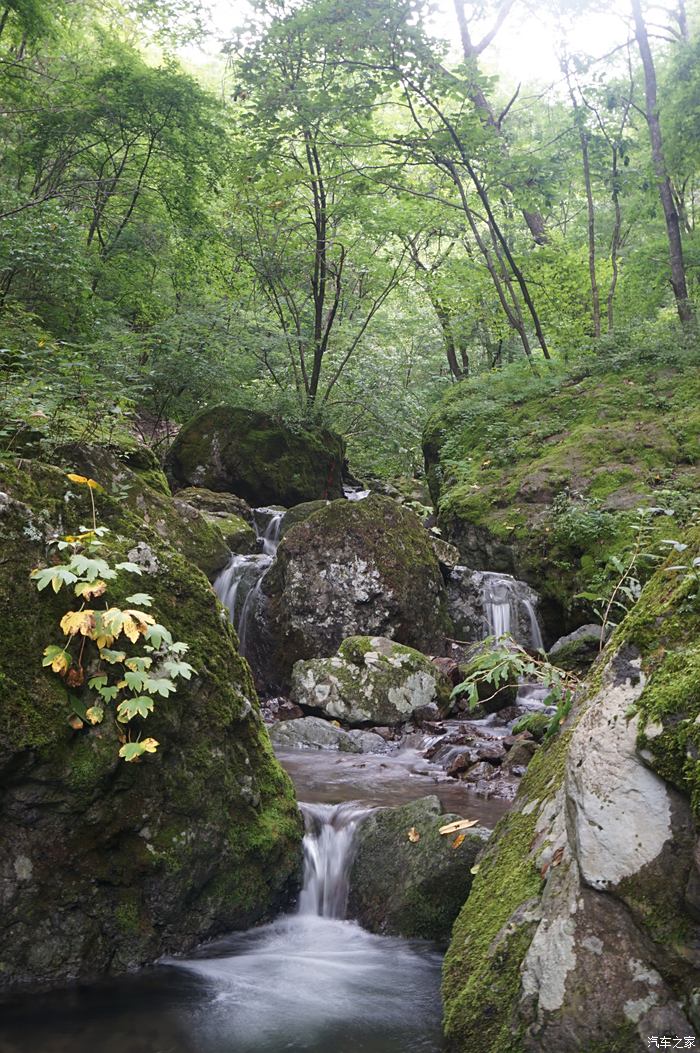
[408, 886]
[371, 680]
[578, 651]
[254, 455]
[318, 734]
[352, 568]
[105, 865]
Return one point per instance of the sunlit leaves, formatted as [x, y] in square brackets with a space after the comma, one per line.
[138, 706]
[58, 658]
[131, 751]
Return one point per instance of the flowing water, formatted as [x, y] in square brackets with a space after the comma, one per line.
[239, 586]
[310, 982]
[510, 607]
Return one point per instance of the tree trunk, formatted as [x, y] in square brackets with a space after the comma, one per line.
[586, 164]
[675, 246]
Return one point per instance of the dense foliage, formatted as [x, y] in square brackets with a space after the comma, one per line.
[359, 219]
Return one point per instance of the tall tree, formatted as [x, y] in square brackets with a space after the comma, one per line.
[673, 230]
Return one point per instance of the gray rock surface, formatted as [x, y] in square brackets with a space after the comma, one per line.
[372, 680]
[318, 734]
[406, 887]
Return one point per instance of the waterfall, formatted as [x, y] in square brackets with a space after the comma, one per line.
[510, 607]
[239, 586]
[328, 845]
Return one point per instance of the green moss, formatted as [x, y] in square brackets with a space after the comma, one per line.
[481, 976]
[613, 435]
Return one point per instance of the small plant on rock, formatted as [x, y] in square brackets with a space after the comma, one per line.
[121, 655]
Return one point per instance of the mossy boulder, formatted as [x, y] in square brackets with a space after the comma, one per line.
[371, 680]
[541, 476]
[299, 514]
[581, 932]
[412, 886]
[352, 568]
[106, 865]
[229, 514]
[577, 651]
[257, 457]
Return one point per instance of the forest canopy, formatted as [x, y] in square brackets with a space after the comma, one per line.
[346, 217]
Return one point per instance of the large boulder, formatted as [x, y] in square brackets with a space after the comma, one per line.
[582, 929]
[106, 865]
[408, 879]
[257, 457]
[372, 680]
[352, 568]
[577, 651]
[229, 514]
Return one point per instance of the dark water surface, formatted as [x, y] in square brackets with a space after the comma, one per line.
[303, 983]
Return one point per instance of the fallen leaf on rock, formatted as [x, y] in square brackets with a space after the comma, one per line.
[556, 858]
[460, 824]
[475, 868]
[413, 835]
[459, 840]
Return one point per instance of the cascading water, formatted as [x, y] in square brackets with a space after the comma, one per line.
[510, 607]
[330, 832]
[239, 586]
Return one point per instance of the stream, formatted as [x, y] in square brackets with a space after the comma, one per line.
[309, 981]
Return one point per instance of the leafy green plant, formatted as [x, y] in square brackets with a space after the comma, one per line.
[689, 573]
[121, 655]
[504, 663]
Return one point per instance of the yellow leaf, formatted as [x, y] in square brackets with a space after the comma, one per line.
[459, 840]
[81, 479]
[461, 824]
[475, 869]
[91, 589]
[95, 714]
[74, 622]
[93, 484]
[60, 663]
[413, 835]
[150, 745]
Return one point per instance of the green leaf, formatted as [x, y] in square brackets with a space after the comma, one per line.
[131, 751]
[96, 682]
[131, 568]
[95, 714]
[139, 662]
[91, 568]
[112, 656]
[56, 577]
[160, 686]
[109, 693]
[140, 706]
[158, 635]
[136, 679]
[183, 669]
[140, 599]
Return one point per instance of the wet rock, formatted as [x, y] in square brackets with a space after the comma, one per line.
[447, 555]
[371, 680]
[519, 756]
[355, 567]
[478, 771]
[577, 651]
[254, 455]
[318, 734]
[411, 888]
[280, 708]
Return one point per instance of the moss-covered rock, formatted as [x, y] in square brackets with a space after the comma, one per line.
[352, 568]
[229, 514]
[106, 865]
[540, 477]
[371, 680]
[253, 455]
[581, 930]
[412, 886]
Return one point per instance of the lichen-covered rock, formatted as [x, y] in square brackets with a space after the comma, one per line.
[412, 886]
[577, 651]
[318, 734]
[352, 568]
[372, 680]
[253, 455]
[106, 865]
[581, 931]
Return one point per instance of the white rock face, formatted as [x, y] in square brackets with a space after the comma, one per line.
[620, 810]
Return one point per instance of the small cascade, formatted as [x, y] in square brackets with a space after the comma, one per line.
[510, 607]
[355, 493]
[328, 843]
[239, 586]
